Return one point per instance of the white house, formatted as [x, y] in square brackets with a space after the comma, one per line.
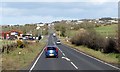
[113, 21]
[42, 24]
[79, 21]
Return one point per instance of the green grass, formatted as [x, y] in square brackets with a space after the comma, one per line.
[109, 30]
[71, 33]
[16, 61]
[110, 58]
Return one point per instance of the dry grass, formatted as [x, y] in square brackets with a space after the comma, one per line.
[16, 61]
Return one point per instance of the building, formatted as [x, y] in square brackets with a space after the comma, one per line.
[11, 34]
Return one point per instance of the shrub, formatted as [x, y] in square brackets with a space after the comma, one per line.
[20, 44]
[62, 27]
[111, 46]
[78, 39]
[93, 40]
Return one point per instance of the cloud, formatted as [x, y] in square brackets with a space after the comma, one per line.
[102, 1]
[10, 11]
[29, 19]
[32, 12]
[59, 1]
[44, 11]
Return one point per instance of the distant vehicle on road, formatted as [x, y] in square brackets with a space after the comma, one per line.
[51, 51]
[58, 42]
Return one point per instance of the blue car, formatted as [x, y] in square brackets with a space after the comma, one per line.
[51, 51]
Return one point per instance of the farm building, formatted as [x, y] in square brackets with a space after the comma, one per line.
[11, 34]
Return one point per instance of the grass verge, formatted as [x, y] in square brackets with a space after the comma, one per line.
[110, 57]
[21, 58]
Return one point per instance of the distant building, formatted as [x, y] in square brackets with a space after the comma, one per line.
[68, 21]
[42, 24]
[113, 21]
[80, 21]
[11, 34]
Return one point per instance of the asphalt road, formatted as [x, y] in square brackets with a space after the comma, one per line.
[68, 59]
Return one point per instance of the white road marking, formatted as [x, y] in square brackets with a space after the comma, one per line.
[61, 51]
[36, 60]
[95, 58]
[66, 58]
[38, 57]
[74, 65]
[70, 62]
[63, 54]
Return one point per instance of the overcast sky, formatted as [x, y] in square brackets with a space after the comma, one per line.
[22, 12]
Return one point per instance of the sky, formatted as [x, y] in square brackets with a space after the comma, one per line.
[35, 11]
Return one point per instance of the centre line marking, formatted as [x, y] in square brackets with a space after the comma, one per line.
[74, 65]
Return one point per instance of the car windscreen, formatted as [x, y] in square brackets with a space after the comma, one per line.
[58, 41]
[51, 48]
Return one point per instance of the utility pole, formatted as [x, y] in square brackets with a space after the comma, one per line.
[119, 26]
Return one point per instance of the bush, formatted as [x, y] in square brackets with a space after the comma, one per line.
[111, 46]
[20, 44]
[93, 40]
[62, 27]
[78, 38]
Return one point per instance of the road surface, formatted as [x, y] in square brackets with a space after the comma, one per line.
[68, 59]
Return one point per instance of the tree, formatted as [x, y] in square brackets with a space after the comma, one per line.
[63, 31]
[62, 28]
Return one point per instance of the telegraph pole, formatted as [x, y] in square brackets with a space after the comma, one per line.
[119, 26]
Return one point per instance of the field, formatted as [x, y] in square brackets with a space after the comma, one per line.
[109, 30]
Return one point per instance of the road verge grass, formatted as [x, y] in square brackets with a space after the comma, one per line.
[109, 58]
[21, 58]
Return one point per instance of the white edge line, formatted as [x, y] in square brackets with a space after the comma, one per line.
[74, 65]
[36, 61]
[95, 58]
